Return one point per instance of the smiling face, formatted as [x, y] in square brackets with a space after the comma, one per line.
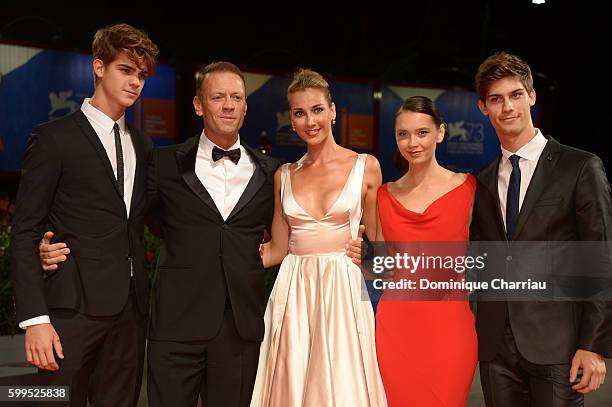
[222, 104]
[119, 82]
[417, 135]
[311, 115]
[508, 106]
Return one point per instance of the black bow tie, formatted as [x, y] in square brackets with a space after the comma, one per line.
[233, 155]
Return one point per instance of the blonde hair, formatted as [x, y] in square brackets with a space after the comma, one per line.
[309, 79]
[111, 40]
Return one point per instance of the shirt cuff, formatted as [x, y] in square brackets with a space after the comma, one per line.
[43, 319]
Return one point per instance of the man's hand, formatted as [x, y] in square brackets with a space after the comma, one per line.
[51, 254]
[353, 247]
[353, 250]
[594, 371]
[40, 341]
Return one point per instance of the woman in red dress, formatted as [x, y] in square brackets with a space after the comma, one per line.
[426, 342]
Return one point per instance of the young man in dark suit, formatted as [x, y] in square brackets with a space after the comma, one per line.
[85, 176]
[538, 190]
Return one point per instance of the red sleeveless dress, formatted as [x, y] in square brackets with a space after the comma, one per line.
[427, 350]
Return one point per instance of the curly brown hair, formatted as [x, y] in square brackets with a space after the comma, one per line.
[111, 40]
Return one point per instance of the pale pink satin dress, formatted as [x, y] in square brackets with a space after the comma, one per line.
[318, 349]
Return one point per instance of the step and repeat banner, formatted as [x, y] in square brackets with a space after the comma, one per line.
[38, 85]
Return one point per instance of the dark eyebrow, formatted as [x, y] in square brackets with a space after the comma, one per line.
[127, 66]
[499, 94]
[133, 68]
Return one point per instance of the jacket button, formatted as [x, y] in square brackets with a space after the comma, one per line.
[508, 258]
[128, 257]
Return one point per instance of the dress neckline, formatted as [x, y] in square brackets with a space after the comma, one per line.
[432, 203]
[340, 194]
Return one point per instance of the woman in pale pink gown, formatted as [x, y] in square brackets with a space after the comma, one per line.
[318, 349]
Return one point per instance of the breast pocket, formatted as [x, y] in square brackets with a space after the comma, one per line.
[556, 201]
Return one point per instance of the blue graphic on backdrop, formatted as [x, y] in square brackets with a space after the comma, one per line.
[389, 104]
[470, 142]
[268, 114]
[50, 85]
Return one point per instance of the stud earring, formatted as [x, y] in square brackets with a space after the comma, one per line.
[333, 121]
[293, 129]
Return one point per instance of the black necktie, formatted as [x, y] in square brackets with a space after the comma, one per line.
[233, 155]
[119, 152]
[512, 198]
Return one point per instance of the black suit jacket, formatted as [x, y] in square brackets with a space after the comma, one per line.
[67, 183]
[203, 256]
[568, 199]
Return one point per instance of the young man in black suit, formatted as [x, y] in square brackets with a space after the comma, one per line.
[85, 176]
[538, 190]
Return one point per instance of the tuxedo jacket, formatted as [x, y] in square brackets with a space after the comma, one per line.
[203, 256]
[568, 199]
[68, 185]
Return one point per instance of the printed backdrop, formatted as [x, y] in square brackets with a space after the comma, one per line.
[38, 85]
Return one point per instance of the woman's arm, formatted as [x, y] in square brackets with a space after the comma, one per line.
[379, 231]
[372, 179]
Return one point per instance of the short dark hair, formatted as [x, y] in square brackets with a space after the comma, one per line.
[218, 66]
[498, 66]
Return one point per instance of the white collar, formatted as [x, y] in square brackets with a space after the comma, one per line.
[530, 151]
[208, 145]
[100, 118]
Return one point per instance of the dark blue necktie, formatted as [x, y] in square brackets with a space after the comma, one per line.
[512, 198]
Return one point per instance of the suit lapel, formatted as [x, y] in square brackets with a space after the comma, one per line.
[186, 159]
[491, 182]
[93, 138]
[141, 160]
[256, 181]
[541, 178]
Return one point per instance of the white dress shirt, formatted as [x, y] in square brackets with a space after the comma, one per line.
[529, 155]
[103, 126]
[224, 180]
